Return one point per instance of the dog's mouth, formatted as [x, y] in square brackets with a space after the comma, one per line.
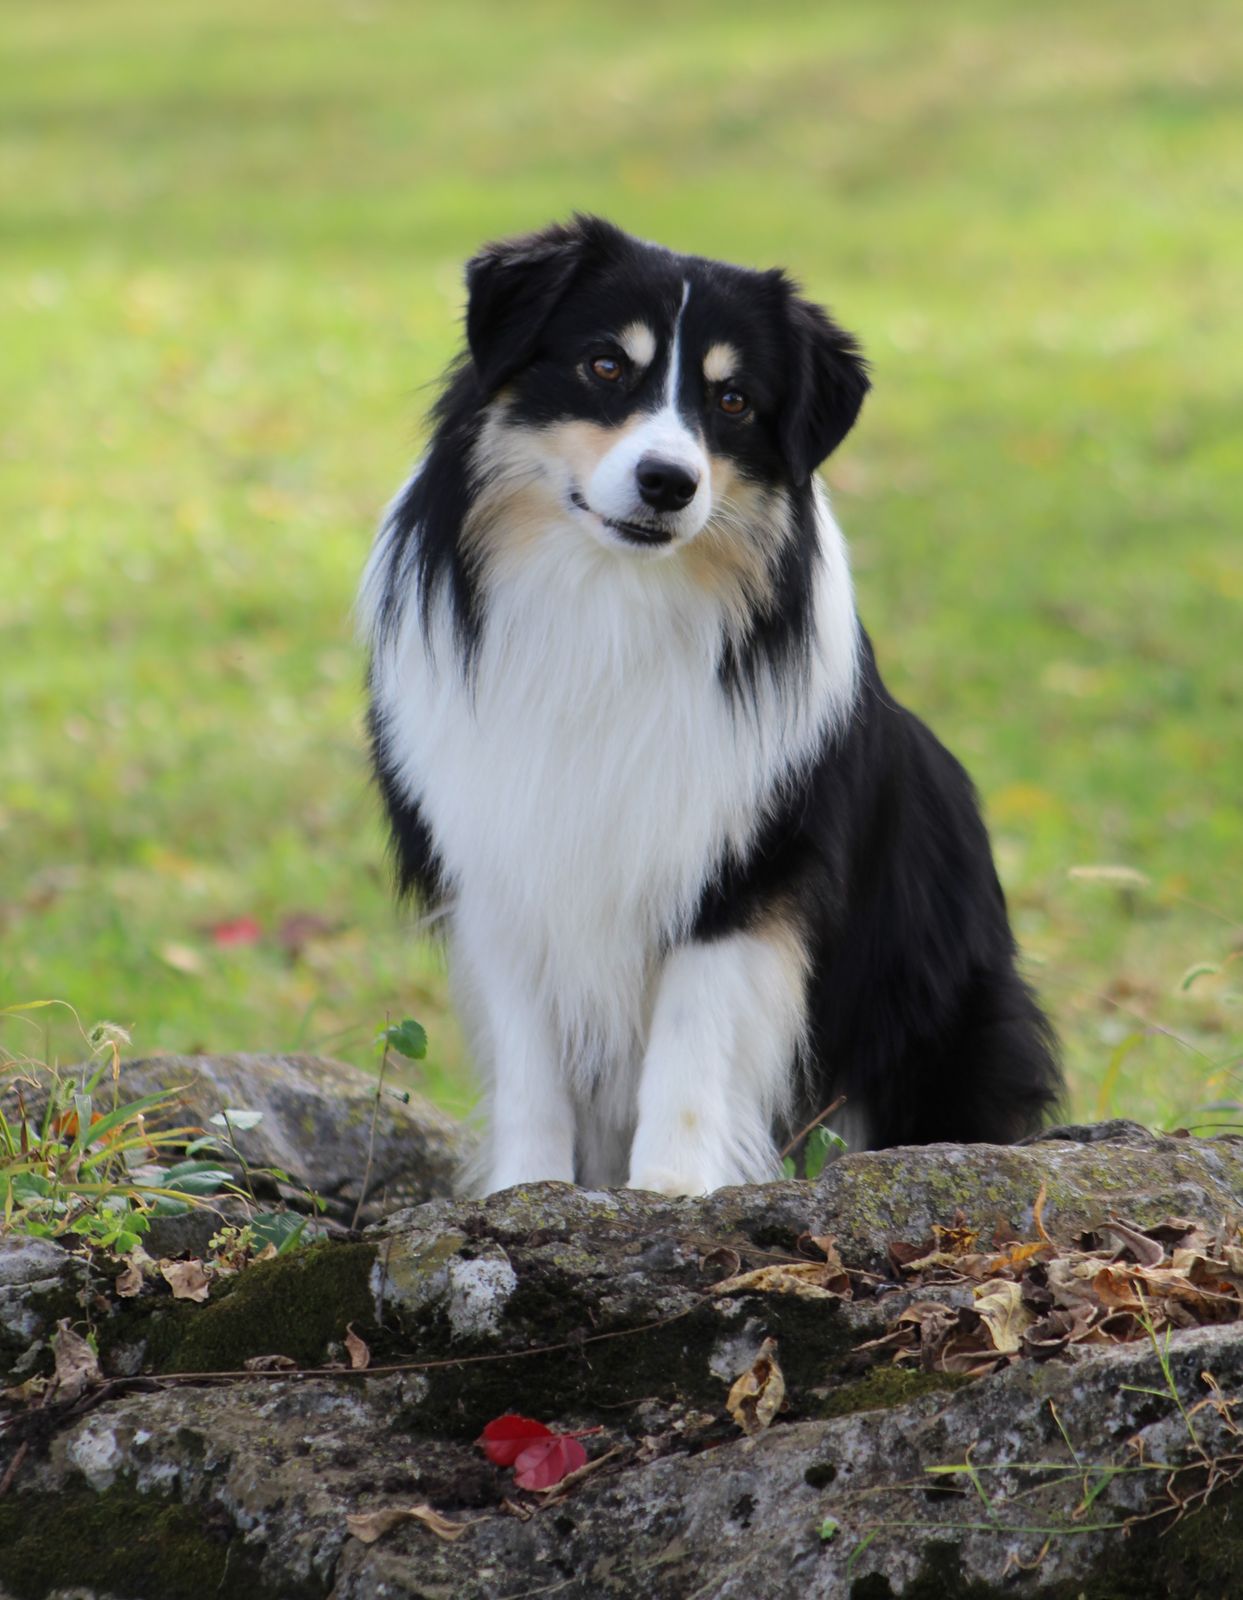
[641, 533]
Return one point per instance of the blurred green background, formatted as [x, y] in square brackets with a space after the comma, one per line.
[230, 247]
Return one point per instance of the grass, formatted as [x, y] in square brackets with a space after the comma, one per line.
[230, 242]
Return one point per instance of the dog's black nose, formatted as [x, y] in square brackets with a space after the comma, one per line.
[664, 485]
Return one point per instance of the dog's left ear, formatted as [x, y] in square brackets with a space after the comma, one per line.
[828, 380]
[512, 288]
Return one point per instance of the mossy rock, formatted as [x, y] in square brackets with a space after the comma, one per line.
[129, 1546]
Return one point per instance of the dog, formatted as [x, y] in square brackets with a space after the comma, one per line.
[700, 874]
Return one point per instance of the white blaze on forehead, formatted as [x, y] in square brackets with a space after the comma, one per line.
[720, 362]
[675, 351]
[639, 343]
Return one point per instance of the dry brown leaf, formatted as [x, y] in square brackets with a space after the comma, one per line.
[1052, 1334]
[1016, 1256]
[1148, 1252]
[28, 1393]
[756, 1397]
[186, 1279]
[940, 1261]
[128, 1281]
[811, 1280]
[999, 1304]
[723, 1260]
[902, 1254]
[1070, 1280]
[958, 1239]
[1038, 1213]
[368, 1526]
[77, 1366]
[359, 1349]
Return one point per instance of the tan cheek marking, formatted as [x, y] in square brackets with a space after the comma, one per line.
[581, 445]
[733, 557]
[511, 514]
[639, 343]
[720, 363]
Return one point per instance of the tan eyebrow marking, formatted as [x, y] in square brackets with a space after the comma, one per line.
[720, 362]
[639, 343]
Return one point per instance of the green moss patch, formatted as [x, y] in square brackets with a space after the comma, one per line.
[294, 1306]
[124, 1544]
[883, 1388]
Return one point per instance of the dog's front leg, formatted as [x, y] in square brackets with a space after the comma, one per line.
[725, 1034]
[530, 1125]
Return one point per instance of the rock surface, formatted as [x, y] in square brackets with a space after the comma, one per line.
[317, 1124]
[597, 1310]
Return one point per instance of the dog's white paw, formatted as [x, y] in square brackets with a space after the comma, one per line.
[664, 1180]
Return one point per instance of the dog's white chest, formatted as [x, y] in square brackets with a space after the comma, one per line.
[581, 788]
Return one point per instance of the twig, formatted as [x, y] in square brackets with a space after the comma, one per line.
[813, 1125]
[375, 1117]
[10, 1472]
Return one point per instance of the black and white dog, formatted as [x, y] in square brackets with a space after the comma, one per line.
[701, 874]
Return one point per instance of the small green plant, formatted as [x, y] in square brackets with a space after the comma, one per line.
[78, 1162]
[822, 1144]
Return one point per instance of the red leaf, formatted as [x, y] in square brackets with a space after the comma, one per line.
[504, 1439]
[547, 1461]
[242, 930]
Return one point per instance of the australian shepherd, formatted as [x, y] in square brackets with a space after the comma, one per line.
[700, 874]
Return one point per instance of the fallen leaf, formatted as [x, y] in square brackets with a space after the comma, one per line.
[182, 958]
[26, 1394]
[77, 1365]
[1147, 1252]
[544, 1463]
[585, 1471]
[902, 1254]
[239, 931]
[811, 1280]
[1000, 1306]
[359, 1349]
[186, 1279]
[756, 1396]
[723, 1260]
[128, 1281]
[298, 929]
[1016, 1256]
[368, 1526]
[505, 1438]
[1038, 1213]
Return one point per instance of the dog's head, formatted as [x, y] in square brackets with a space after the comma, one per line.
[651, 395]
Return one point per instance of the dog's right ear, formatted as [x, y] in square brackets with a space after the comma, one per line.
[512, 288]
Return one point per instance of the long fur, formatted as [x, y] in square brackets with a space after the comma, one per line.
[700, 873]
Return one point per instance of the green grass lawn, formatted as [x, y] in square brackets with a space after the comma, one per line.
[230, 247]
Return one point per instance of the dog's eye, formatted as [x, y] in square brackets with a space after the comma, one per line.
[734, 403]
[607, 368]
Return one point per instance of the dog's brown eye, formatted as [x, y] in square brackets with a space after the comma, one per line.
[733, 403]
[608, 368]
